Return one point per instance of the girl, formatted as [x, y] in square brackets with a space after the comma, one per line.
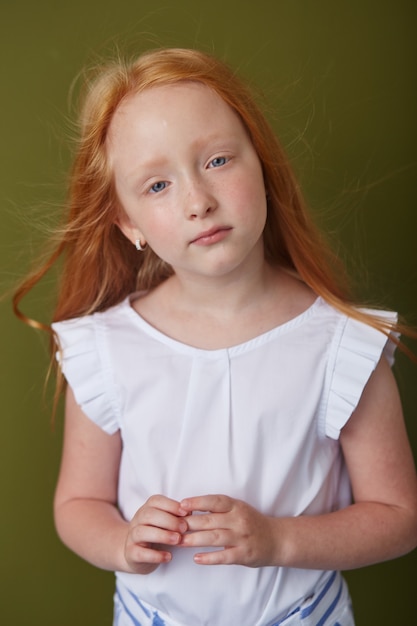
[233, 432]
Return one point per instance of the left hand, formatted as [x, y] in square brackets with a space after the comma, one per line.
[243, 535]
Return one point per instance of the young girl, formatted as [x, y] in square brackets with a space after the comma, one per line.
[233, 433]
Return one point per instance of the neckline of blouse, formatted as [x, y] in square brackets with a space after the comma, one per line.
[247, 345]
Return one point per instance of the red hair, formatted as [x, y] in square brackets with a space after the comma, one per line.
[101, 266]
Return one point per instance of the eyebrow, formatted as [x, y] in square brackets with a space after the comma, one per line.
[160, 162]
[141, 171]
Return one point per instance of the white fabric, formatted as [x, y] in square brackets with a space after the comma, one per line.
[258, 421]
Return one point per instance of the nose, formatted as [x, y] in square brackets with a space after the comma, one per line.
[200, 199]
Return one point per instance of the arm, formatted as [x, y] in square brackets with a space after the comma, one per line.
[380, 525]
[85, 507]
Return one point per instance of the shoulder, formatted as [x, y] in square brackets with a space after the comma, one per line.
[354, 352]
[77, 329]
[83, 354]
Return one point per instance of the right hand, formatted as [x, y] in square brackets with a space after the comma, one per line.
[159, 523]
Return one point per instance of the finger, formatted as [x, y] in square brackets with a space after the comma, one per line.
[208, 539]
[215, 503]
[153, 535]
[149, 516]
[138, 554]
[207, 521]
[216, 557]
[166, 504]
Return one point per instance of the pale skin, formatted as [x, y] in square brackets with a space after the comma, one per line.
[201, 175]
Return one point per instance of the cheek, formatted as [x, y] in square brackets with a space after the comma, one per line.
[159, 231]
[250, 200]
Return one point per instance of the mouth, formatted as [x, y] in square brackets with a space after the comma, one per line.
[211, 236]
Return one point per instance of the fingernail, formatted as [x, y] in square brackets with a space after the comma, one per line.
[184, 508]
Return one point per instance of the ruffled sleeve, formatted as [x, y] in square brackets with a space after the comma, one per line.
[82, 363]
[355, 354]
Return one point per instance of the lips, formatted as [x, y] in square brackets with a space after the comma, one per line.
[213, 235]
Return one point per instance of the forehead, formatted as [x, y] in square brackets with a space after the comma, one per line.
[190, 105]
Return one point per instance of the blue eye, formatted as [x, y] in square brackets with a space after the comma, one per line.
[218, 162]
[159, 186]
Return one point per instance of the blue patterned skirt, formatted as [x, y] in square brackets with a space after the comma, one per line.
[329, 605]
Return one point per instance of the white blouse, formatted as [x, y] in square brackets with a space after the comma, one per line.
[258, 421]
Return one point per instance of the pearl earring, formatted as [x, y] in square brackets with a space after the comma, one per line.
[139, 246]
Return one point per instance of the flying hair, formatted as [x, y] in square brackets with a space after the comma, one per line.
[101, 267]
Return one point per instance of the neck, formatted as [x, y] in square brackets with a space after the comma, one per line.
[224, 296]
[218, 313]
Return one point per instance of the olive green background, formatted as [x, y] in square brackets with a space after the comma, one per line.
[339, 79]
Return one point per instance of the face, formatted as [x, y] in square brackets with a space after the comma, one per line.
[188, 179]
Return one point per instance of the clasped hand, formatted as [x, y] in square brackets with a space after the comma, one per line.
[240, 533]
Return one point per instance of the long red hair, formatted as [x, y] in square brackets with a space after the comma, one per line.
[101, 267]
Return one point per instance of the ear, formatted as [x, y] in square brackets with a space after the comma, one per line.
[130, 231]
